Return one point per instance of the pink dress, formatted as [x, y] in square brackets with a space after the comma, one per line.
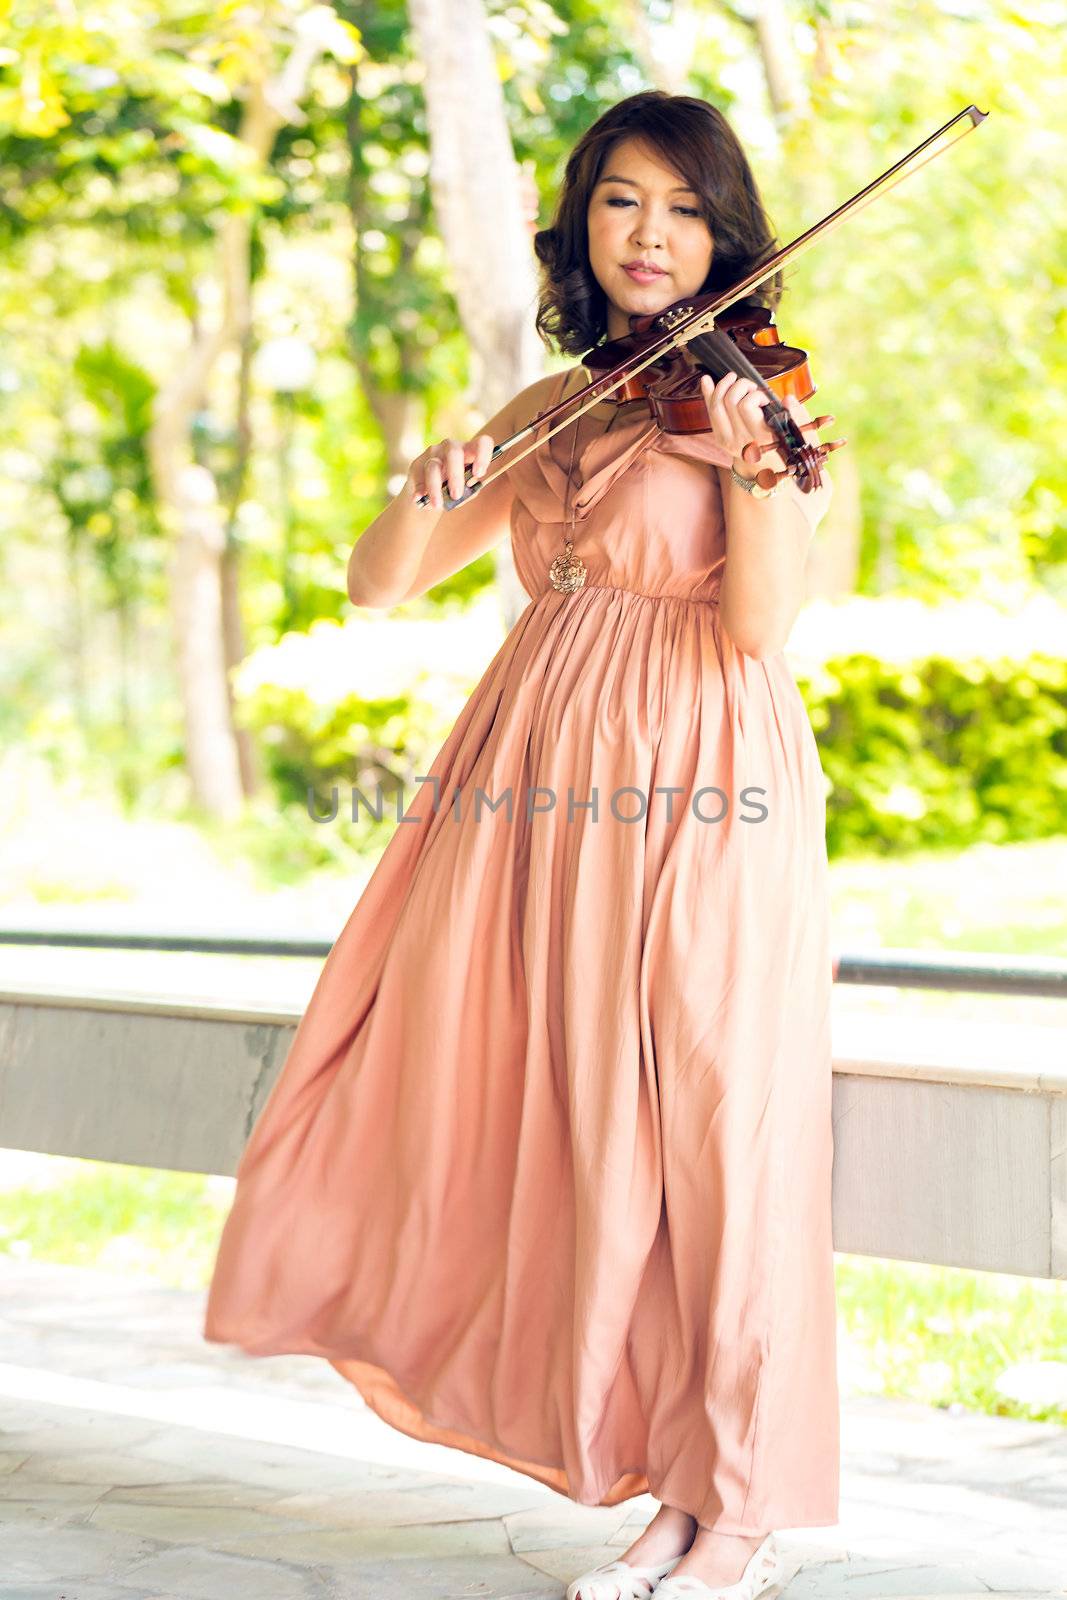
[546, 1173]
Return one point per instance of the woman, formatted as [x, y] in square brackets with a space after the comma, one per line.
[546, 1174]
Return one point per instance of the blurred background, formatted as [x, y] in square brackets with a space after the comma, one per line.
[256, 257]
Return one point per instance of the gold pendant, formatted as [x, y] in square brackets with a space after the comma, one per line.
[567, 572]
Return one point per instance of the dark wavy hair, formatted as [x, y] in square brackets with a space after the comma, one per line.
[693, 137]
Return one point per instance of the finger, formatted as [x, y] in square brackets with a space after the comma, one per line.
[716, 394]
[750, 424]
[713, 400]
[434, 481]
[732, 386]
[746, 401]
[802, 416]
[797, 410]
[752, 403]
[439, 468]
[442, 482]
[722, 429]
[456, 466]
[732, 422]
[483, 454]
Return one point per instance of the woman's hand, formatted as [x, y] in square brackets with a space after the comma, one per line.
[448, 459]
[735, 411]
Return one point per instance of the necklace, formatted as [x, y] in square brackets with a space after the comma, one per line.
[567, 572]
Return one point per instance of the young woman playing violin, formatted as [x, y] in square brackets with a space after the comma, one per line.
[546, 1174]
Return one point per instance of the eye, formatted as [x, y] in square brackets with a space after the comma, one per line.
[620, 200]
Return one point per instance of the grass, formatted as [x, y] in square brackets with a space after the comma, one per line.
[938, 1334]
[998, 899]
[952, 1337]
[142, 1220]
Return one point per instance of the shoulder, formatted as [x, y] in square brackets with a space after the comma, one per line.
[537, 396]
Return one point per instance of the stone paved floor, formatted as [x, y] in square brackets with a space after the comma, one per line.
[138, 1462]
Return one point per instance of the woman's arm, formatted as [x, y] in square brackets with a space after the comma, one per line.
[767, 541]
[408, 549]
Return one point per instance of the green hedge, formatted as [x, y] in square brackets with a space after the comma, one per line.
[940, 752]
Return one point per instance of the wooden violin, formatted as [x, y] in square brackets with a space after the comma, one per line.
[678, 344]
[743, 340]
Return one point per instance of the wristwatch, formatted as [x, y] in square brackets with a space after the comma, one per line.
[750, 486]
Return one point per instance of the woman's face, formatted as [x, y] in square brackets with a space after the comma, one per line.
[640, 210]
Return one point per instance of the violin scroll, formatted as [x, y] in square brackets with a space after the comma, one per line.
[768, 477]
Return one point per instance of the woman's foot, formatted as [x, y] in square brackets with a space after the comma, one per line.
[717, 1559]
[669, 1534]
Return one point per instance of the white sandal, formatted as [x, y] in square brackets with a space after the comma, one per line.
[618, 1580]
[764, 1568]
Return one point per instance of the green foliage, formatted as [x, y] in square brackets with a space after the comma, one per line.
[311, 747]
[117, 1218]
[341, 766]
[104, 485]
[935, 753]
[940, 752]
[936, 316]
[945, 1336]
[282, 843]
[935, 320]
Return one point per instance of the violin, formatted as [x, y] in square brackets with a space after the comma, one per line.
[696, 335]
[744, 341]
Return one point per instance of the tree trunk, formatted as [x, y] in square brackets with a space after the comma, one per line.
[187, 495]
[477, 193]
[665, 56]
[233, 634]
[783, 79]
[399, 413]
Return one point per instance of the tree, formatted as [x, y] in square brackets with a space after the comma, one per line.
[188, 499]
[479, 210]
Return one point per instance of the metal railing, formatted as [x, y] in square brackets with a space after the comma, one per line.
[898, 969]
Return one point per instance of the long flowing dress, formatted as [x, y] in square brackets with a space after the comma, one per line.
[546, 1174]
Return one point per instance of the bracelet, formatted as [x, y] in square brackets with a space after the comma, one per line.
[750, 486]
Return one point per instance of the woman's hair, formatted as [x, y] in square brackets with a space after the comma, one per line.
[692, 137]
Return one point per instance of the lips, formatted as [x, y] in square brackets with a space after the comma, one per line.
[642, 274]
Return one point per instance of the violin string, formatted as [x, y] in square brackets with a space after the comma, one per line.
[737, 361]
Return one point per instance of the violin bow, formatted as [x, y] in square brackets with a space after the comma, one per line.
[683, 320]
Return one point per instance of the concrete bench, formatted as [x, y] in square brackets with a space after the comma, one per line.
[950, 1141]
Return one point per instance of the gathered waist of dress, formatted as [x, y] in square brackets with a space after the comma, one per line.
[701, 602]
